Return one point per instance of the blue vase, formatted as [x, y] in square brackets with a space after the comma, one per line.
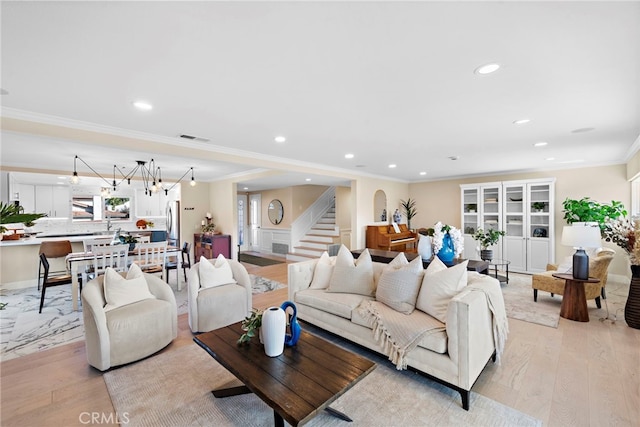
[291, 339]
[447, 252]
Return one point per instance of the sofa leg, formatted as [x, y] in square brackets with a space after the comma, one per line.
[494, 357]
[465, 399]
[552, 295]
[598, 304]
[535, 295]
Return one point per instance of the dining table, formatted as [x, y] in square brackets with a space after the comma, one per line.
[75, 260]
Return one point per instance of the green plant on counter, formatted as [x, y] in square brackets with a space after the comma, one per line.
[14, 214]
[128, 238]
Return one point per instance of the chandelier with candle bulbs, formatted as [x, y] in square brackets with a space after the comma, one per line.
[151, 176]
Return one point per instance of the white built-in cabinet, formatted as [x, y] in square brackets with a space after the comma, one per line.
[524, 211]
[481, 208]
[52, 200]
[150, 206]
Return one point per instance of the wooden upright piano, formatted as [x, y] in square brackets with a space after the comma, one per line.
[386, 238]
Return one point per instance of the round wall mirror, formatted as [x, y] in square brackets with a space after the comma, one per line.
[275, 211]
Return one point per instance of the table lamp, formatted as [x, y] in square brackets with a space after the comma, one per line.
[581, 237]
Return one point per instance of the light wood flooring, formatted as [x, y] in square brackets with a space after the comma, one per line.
[580, 374]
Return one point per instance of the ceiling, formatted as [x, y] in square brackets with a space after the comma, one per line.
[389, 82]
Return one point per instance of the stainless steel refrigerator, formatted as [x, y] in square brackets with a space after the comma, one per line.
[173, 223]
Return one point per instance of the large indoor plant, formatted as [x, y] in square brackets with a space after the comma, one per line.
[487, 239]
[410, 211]
[587, 210]
[14, 214]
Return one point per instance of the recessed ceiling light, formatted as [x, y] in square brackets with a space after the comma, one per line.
[423, 173]
[143, 105]
[280, 139]
[307, 179]
[62, 177]
[348, 156]
[550, 158]
[540, 144]
[521, 121]
[245, 188]
[582, 130]
[487, 68]
[391, 166]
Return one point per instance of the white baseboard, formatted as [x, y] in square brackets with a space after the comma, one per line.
[18, 285]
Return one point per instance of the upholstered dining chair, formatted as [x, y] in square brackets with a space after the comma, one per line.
[54, 280]
[173, 263]
[55, 253]
[598, 268]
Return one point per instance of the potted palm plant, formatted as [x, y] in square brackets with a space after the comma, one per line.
[487, 239]
[14, 214]
[410, 211]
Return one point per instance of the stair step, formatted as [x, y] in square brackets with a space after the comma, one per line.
[323, 226]
[295, 257]
[315, 244]
[304, 250]
[323, 232]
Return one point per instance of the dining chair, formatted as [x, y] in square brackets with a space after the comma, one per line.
[143, 239]
[55, 253]
[114, 256]
[90, 243]
[151, 257]
[49, 281]
[172, 264]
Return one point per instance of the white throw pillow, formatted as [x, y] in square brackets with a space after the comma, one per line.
[215, 274]
[120, 291]
[399, 284]
[425, 248]
[323, 271]
[352, 277]
[439, 285]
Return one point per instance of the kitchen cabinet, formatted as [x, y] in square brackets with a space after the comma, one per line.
[211, 245]
[54, 201]
[150, 206]
[25, 194]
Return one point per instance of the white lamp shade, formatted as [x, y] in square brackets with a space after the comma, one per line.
[581, 236]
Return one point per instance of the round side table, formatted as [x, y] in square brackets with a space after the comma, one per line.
[500, 263]
[574, 301]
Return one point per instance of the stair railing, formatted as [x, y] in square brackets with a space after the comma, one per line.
[303, 224]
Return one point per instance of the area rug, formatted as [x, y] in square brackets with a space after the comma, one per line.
[174, 389]
[24, 331]
[256, 260]
[519, 304]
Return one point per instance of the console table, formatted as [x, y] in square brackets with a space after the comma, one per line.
[378, 255]
[211, 245]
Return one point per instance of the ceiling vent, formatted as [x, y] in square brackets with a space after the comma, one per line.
[194, 138]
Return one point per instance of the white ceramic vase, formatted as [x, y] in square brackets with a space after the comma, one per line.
[274, 325]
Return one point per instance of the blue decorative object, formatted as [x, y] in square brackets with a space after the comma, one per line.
[447, 252]
[292, 339]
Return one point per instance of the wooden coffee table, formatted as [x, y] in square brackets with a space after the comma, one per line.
[298, 384]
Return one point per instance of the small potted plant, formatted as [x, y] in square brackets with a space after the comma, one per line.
[131, 240]
[251, 326]
[472, 207]
[487, 239]
[538, 206]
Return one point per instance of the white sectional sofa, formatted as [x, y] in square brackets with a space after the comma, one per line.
[454, 356]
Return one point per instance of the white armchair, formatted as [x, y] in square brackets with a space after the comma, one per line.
[216, 307]
[130, 332]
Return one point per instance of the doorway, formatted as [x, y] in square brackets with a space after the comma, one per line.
[255, 204]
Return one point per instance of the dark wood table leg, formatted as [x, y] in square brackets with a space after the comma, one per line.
[231, 391]
[338, 414]
[574, 302]
[278, 421]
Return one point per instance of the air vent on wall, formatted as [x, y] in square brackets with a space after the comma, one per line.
[194, 138]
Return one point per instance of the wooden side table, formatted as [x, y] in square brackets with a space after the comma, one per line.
[574, 301]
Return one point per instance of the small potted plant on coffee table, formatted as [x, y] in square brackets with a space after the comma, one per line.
[487, 239]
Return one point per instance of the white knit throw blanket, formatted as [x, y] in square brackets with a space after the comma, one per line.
[495, 301]
[397, 332]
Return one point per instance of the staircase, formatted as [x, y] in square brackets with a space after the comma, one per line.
[325, 232]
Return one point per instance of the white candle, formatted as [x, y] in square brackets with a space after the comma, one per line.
[203, 222]
[209, 215]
